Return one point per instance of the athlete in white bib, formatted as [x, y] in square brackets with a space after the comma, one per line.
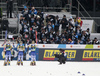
[33, 54]
[20, 49]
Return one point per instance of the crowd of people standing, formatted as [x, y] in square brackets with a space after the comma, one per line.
[46, 30]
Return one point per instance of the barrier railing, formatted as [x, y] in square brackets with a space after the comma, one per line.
[46, 9]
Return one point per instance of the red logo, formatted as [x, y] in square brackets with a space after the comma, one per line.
[43, 45]
[98, 46]
[71, 46]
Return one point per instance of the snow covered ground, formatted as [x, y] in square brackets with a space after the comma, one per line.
[51, 68]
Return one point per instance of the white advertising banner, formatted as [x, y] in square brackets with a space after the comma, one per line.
[63, 46]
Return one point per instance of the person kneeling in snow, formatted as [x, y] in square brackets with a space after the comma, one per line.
[61, 57]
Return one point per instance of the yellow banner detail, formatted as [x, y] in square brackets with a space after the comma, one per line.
[91, 54]
[50, 53]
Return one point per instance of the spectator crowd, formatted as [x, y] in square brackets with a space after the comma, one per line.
[46, 30]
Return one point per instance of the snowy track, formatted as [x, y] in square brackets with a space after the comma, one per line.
[51, 68]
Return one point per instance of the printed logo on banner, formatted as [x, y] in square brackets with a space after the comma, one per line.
[91, 55]
[49, 54]
[98, 46]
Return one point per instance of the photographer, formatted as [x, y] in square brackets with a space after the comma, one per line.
[33, 11]
[61, 57]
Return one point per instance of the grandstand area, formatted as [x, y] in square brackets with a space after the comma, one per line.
[50, 27]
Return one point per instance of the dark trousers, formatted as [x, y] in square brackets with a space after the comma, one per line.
[56, 28]
[9, 8]
[9, 11]
[61, 59]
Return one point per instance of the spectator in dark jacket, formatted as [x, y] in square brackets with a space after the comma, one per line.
[88, 33]
[41, 14]
[84, 37]
[75, 38]
[64, 23]
[57, 23]
[51, 35]
[95, 41]
[44, 40]
[78, 32]
[49, 26]
[31, 20]
[71, 22]
[43, 34]
[43, 26]
[63, 40]
[70, 31]
[57, 38]
[25, 13]
[88, 41]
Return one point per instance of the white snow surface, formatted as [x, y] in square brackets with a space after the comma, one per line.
[51, 68]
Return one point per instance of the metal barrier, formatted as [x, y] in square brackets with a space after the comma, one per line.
[46, 9]
[3, 34]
